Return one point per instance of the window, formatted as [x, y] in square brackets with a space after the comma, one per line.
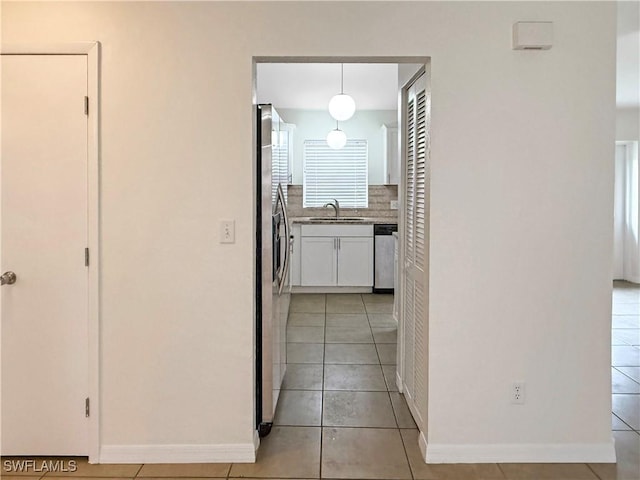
[340, 174]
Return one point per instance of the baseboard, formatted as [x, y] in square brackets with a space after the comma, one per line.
[256, 443]
[238, 453]
[519, 453]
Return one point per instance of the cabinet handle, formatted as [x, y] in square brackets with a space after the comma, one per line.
[338, 243]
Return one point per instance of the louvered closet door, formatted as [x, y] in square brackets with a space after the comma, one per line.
[416, 221]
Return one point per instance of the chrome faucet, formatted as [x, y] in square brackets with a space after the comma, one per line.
[336, 206]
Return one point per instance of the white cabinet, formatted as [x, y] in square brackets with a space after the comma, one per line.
[318, 266]
[390, 155]
[336, 256]
[355, 262]
[281, 153]
[285, 140]
[295, 255]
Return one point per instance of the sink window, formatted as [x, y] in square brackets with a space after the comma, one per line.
[341, 174]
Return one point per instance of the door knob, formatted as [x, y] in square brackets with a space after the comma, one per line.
[8, 278]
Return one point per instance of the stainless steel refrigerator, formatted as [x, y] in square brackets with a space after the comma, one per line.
[273, 250]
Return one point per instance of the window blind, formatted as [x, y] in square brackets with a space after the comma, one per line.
[341, 174]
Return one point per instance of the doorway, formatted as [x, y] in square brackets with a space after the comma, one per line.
[342, 342]
[626, 217]
[49, 233]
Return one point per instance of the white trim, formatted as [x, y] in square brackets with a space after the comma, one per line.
[75, 48]
[519, 453]
[92, 52]
[220, 453]
[256, 441]
[93, 220]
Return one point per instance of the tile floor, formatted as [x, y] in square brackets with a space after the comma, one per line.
[340, 415]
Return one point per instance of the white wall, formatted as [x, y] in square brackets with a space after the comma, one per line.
[364, 125]
[521, 206]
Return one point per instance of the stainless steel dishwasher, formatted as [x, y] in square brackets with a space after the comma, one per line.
[383, 257]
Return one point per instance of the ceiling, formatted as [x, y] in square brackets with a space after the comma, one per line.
[310, 86]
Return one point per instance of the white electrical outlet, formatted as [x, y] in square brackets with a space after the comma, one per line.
[227, 231]
[518, 393]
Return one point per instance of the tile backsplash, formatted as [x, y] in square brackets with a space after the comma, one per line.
[380, 197]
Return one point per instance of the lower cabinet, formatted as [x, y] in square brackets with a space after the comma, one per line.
[336, 255]
[318, 265]
[355, 262]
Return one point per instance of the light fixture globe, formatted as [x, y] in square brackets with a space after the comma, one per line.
[336, 139]
[342, 107]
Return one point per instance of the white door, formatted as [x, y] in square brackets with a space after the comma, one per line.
[44, 233]
[416, 248]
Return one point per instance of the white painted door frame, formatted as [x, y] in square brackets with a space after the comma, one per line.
[413, 60]
[92, 51]
[626, 217]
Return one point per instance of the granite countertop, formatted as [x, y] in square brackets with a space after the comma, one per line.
[344, 220]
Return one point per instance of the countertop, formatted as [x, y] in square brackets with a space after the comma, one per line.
[343, 221]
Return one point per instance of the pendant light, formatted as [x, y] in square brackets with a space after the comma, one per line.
[336, 138]
[341, 106]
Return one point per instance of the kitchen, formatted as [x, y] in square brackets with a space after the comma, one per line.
[340, 203]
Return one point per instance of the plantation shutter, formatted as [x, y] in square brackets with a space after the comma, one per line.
[341, 174]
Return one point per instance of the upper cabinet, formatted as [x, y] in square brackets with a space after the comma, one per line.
[286, 138]
[390, 155]
[282, 152]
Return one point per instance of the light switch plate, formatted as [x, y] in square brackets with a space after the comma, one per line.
[394, 205]
[227, 231]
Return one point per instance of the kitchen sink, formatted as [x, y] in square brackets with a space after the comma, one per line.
[340, 219]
